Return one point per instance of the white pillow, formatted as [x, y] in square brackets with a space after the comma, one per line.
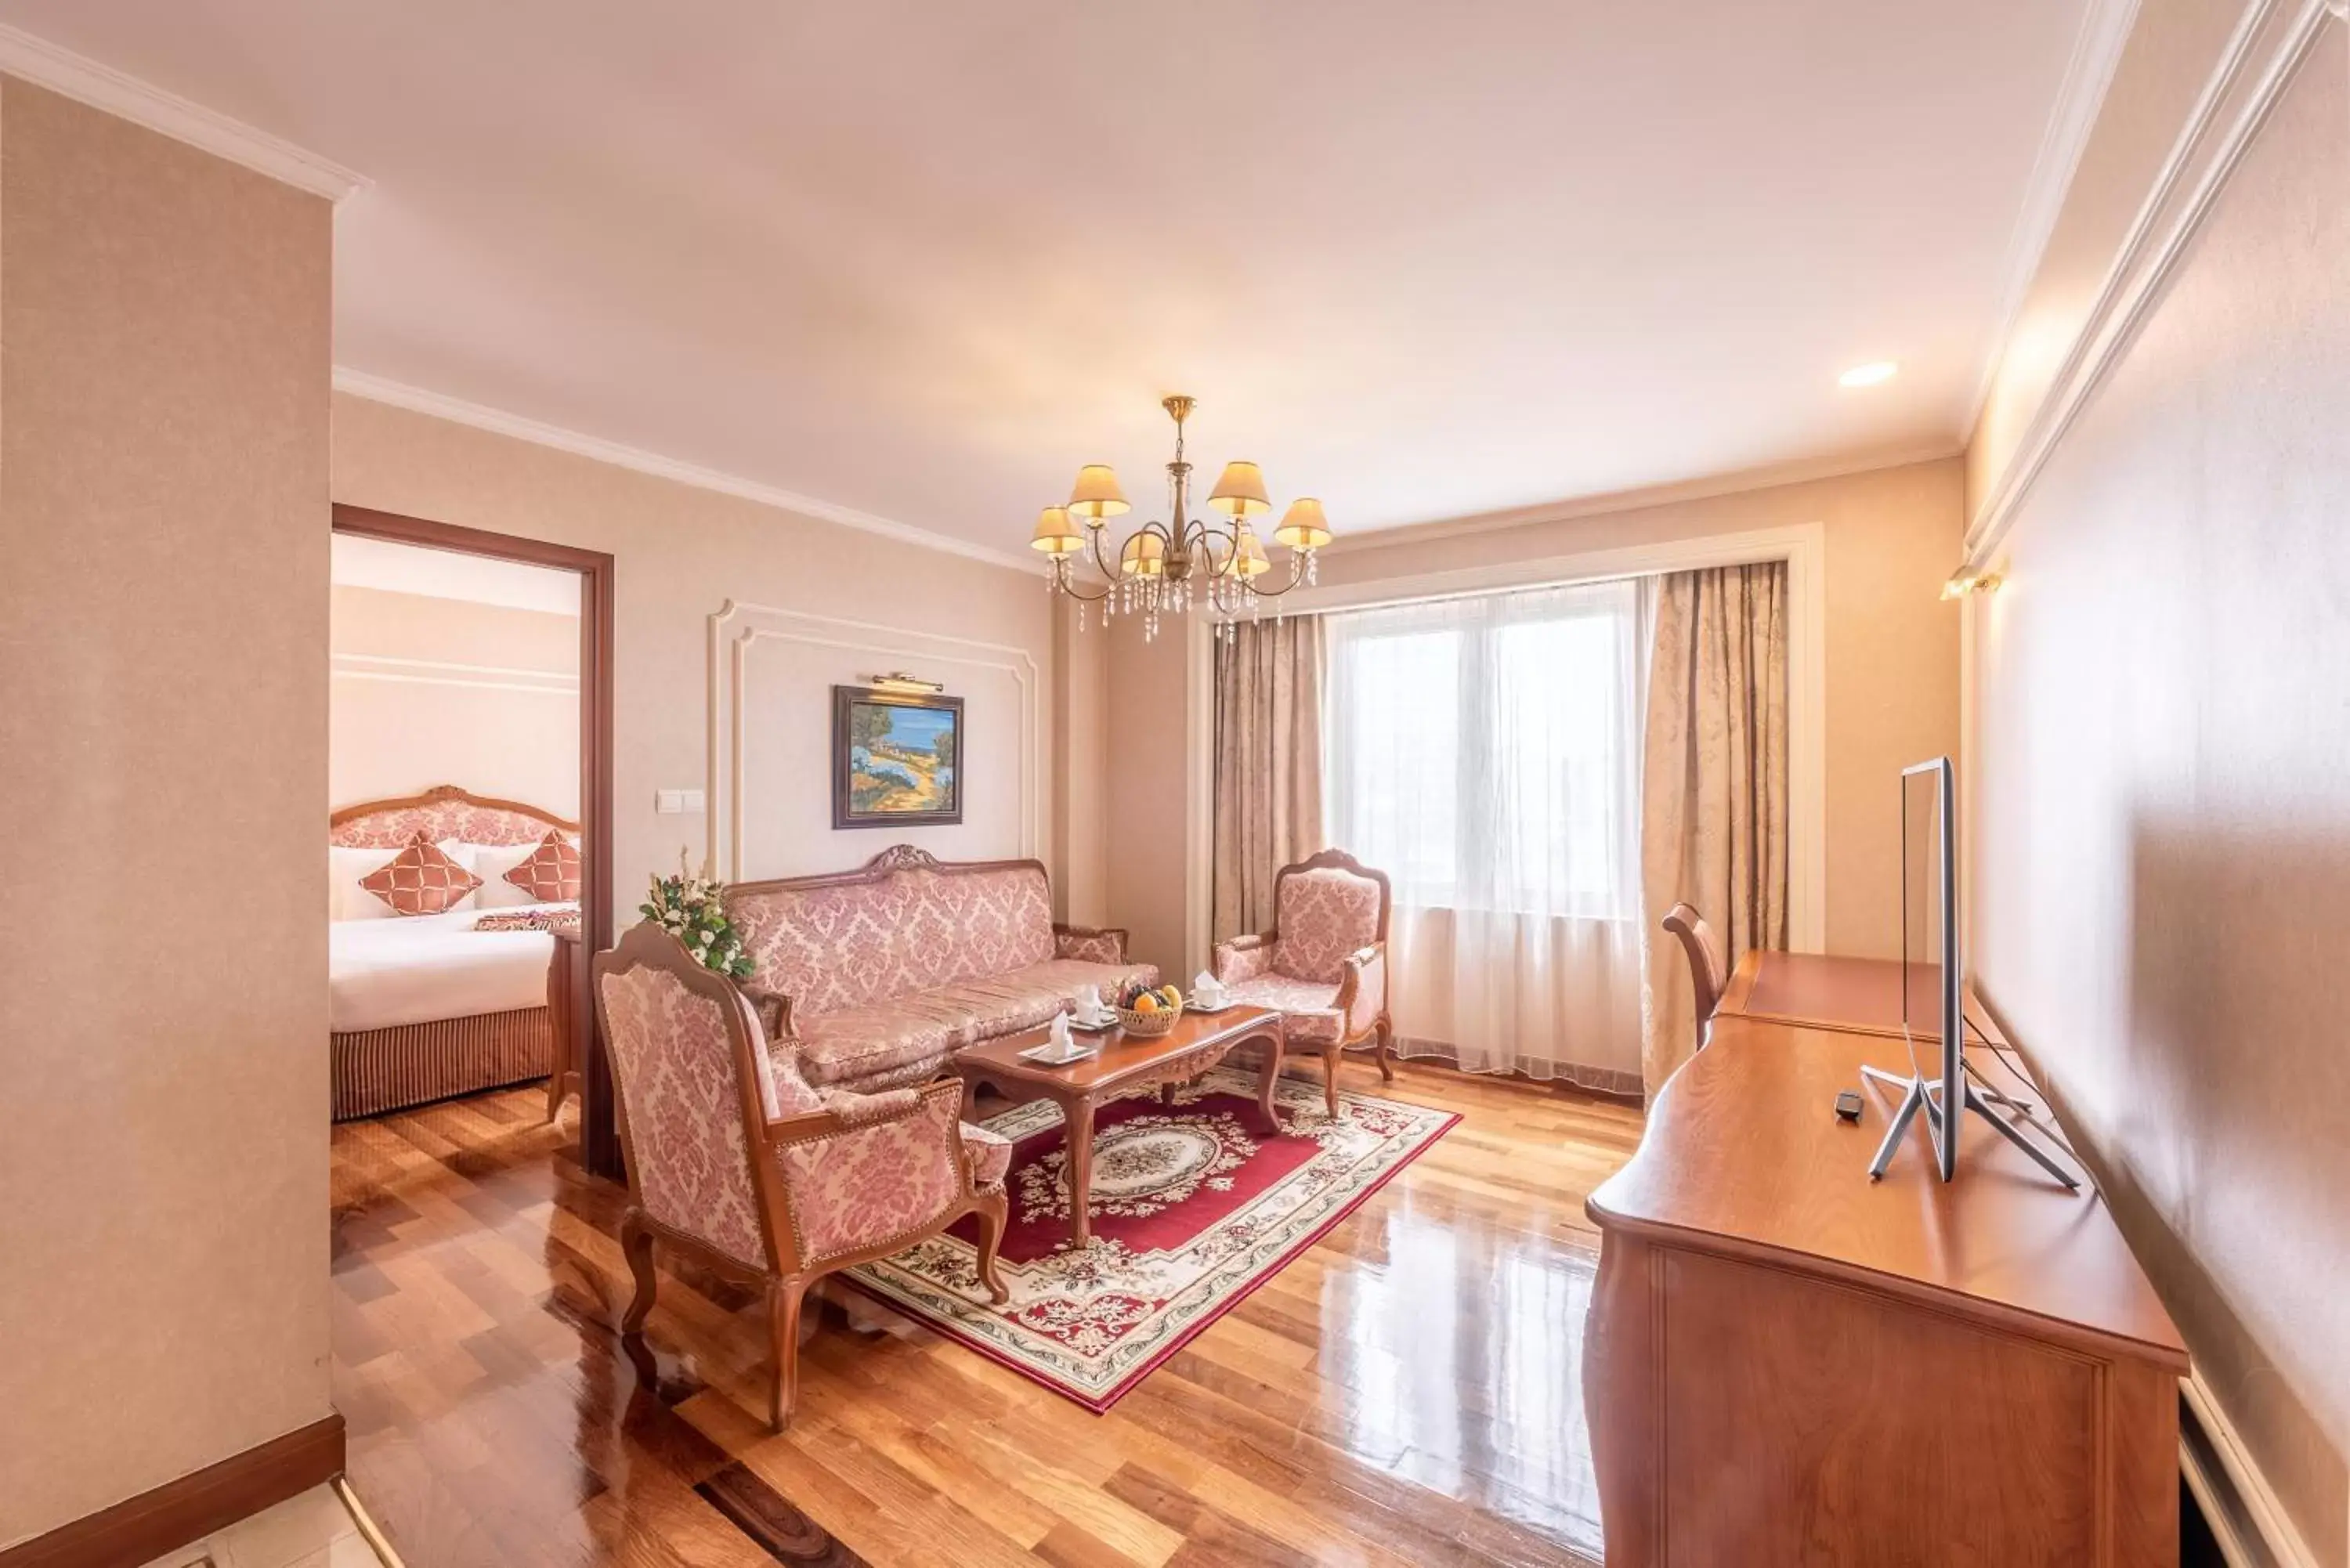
[491, 862]
[347, 900]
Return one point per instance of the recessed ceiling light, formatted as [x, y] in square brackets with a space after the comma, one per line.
[1877, 372]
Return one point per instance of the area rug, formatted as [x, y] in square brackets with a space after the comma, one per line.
[1194, 1206]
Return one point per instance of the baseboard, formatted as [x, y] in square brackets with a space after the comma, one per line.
[139, 1529]
[2251, 1527]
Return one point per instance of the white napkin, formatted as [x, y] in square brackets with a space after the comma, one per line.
[1088, 1002]
[1058, 1036]
[1208, 989]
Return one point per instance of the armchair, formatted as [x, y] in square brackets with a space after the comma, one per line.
[1323, 966]
[733, 1159]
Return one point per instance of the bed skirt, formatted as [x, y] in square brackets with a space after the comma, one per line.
[379, 1070]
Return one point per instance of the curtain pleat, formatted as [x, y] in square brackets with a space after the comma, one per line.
[1268, 763]
[1713, 783]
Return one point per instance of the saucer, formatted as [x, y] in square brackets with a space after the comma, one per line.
[1104, 1021]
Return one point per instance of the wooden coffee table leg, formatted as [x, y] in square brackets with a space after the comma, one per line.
[1269, 1079]
[1078, 1116]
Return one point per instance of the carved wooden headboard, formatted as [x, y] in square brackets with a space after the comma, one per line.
[444, 811]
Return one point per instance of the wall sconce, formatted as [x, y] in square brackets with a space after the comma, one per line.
[900, 681]
[1966, 580]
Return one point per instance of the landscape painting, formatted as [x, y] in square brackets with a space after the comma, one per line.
[896, 761]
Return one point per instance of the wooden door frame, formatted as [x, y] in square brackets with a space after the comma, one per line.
[597, 896]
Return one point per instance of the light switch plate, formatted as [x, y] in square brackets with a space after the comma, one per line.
[678, 802]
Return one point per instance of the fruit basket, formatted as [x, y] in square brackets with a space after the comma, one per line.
[1147, 1014]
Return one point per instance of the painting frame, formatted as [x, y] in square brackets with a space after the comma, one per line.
[846, 813]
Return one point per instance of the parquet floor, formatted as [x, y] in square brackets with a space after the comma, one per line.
[1406, 1393]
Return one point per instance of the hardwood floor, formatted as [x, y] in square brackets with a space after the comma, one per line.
[1404, 1393]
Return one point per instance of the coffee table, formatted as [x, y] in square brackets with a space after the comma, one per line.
[1127, 1064]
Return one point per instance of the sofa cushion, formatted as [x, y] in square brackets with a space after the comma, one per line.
[1309, 1009]
[1024, 998]
[857, 1046]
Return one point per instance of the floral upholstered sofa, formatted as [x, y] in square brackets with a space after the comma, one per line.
[881, 975]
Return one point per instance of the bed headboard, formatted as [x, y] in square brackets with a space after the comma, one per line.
[444, 811]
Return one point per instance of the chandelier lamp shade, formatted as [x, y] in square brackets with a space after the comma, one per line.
[1215, 564]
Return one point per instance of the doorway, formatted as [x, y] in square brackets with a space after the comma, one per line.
[594, 570]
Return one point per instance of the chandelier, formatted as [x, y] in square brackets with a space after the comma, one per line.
[1167, 568]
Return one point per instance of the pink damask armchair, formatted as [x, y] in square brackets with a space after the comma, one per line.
[1323, 966]
[732, 1158]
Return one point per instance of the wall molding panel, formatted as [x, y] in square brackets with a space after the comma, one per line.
[101, 86]
[2096, 55]
[2272, 41]
[736, 629]
[442, 673]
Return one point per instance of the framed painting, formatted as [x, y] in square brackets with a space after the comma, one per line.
[897, 758]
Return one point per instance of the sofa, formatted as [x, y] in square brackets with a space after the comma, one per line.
[879, 976]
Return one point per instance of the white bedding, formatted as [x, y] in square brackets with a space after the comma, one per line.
[382, 974]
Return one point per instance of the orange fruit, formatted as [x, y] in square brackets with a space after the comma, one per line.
[1146, 1003]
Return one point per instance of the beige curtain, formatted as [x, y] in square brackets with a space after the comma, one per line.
[1714, 822]
[1268, 762]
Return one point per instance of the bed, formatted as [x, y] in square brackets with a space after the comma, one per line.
[421, 1007]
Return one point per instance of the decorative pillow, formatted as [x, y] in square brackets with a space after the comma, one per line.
[422, 880]
[550, 875]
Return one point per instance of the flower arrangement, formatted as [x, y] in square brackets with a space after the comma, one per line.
[687, 907]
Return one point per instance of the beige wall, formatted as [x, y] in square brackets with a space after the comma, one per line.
[2161, 827]
[1892, 652]
[163, 407]
[840, 605]
[427, 690]
[1148, 837]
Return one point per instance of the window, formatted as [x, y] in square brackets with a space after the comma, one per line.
[1484, 752]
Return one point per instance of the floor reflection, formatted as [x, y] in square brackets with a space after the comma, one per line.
[1459, 1349]
[1403, 1393]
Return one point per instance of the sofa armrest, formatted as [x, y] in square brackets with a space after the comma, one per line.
[774, 1008]
[1242, 957]
[854, 1185]
[847, 1111]
[1094, 944]
[1362, 990]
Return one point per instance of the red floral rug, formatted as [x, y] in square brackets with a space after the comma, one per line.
[1194, 1206]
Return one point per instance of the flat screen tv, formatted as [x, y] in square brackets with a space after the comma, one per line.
[1931, 1013]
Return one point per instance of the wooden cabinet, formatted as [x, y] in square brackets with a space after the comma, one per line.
[1787, 1364]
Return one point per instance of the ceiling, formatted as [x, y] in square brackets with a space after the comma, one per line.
[1424, 261]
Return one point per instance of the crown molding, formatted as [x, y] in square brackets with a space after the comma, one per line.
[2096, 53]
[2263, 56]
[440, 406]
[1711, 487]
[101, 86]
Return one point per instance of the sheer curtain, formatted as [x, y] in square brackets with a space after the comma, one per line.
[1485, 752]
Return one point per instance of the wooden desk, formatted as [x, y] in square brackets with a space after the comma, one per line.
[1856, 995]
[1786, 1362]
